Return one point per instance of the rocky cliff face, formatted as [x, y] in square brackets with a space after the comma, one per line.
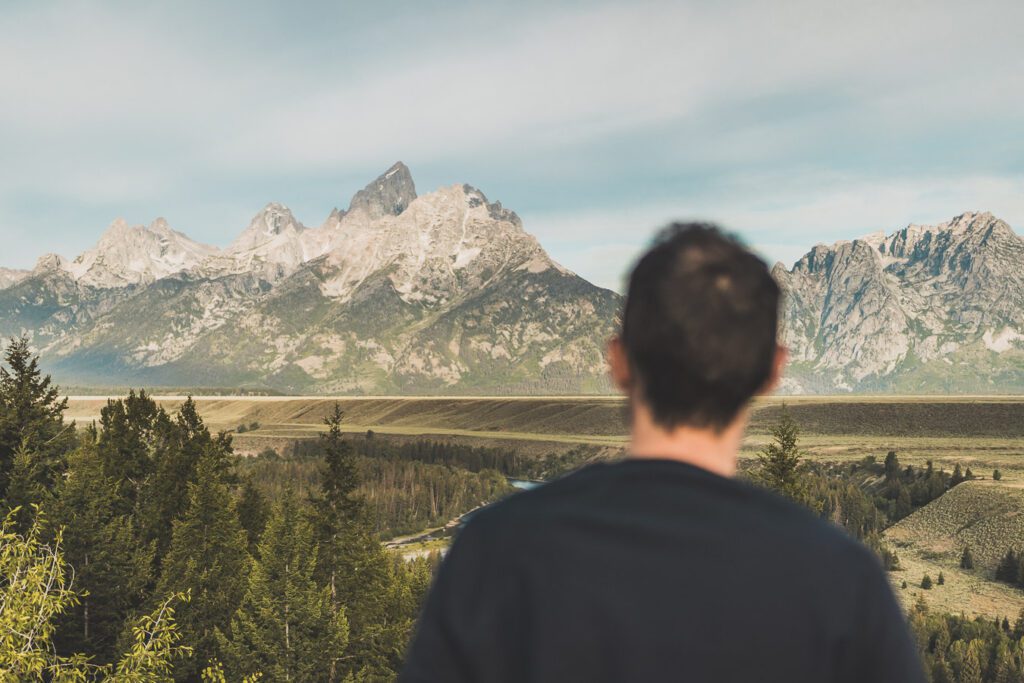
[437, 293]
[924, 309]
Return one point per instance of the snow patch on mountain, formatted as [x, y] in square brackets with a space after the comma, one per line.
[1001, 341]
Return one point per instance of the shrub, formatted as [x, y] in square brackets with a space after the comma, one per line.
[997, 475]
[967, 560]
[1009, 568]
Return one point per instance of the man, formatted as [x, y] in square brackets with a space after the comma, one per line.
[664, 566]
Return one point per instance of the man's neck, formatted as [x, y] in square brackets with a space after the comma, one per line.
[715, 452]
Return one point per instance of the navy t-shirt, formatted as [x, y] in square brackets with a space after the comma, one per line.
[652, 570]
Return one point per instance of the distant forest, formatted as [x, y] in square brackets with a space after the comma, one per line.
[404, 488]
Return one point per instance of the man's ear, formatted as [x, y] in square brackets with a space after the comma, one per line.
[778, 365]
[618, 365]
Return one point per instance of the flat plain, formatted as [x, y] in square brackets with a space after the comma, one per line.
[983, 432]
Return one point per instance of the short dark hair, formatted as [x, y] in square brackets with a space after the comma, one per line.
[700, 326]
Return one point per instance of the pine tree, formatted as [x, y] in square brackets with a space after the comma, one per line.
[285, 626]
[179, 444]
[780, 461]
[111, 570]
[31, 422]
[972, 671]
[902, 506]
[926, 582]
[129, 430]
[209, 559]
[997, 475]
[942, 579]
[1005, 669]
[967, 559]
[351, 562]
[253, 510]
[941, 672]
[958, 476]
[892, 466]
[1009, 568]
[29, 486]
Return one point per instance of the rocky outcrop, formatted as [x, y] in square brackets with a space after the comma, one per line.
[924, 309]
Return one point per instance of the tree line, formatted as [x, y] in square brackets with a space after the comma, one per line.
[956, 649]
[134, 550]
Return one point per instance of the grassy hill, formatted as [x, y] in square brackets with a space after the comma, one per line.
[989, 517]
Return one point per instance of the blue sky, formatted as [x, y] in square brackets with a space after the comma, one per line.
[790, 122]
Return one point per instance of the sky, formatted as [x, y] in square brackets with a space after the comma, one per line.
[790, 123]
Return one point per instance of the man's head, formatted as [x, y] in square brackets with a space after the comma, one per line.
[698, 337]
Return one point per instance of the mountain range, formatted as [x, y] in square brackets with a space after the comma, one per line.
[402, 293]
[447, 293]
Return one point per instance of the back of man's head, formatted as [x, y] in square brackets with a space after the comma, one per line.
[699, 327]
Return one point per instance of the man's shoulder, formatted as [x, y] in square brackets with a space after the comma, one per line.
[526, 508]
[773, 520]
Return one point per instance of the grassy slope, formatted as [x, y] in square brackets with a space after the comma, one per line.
[989, 517]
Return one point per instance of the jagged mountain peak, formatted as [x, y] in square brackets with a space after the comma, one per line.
[275, 218]
[137, 254]
[268, 225]
[389, 194]
[48, 263]
[160, 225]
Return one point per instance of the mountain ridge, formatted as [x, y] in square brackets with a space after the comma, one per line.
[447, 292]
[442, 292]
[922, 309]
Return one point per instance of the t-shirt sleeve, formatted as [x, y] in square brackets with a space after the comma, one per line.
[470, 622]
[884, 650]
